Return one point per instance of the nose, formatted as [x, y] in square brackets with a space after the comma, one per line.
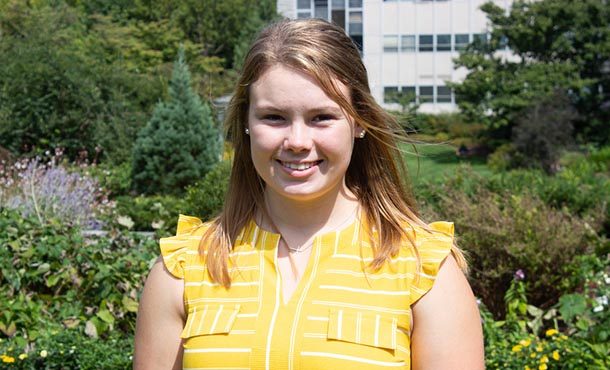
[298, 137]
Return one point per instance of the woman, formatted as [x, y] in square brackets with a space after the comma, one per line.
[319, 259]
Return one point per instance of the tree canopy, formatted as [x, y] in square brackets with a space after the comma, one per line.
[86, 75]
[557, 45]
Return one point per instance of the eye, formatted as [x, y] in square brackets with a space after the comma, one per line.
[272, 117]
[323, 118]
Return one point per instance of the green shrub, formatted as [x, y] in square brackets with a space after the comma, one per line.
[153, 213]
[602, 158]
[554, 351]
[44, 267]
[206, 198]
[180, 143]
[543, 131]
[573, 334]
[579, 188]
[505, 231]
[114, 179]
[500, 160]
[61, 348]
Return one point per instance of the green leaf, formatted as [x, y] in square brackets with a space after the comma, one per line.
[52, 280]
[572, 305]
[45, 267]
[106, 316]
[91, 329]
[130, 304]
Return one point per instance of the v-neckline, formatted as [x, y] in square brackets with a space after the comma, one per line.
[315, 254]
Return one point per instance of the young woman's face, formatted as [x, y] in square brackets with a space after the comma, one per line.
[301, 140]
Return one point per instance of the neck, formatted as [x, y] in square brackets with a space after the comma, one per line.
[299, 221]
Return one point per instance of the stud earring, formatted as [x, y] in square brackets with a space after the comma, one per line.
[362, 134]
[247, 131]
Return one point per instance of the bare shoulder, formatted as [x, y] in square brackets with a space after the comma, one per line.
[160, 321]
[447, 331]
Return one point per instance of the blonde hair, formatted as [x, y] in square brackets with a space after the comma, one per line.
[376, 174]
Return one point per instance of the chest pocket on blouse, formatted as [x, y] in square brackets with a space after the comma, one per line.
[363, 328]
[209, 319]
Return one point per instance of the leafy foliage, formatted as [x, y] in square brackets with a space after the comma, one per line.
[180, 143]
[61, 348]
[558, 45]
[85, 75]
[543, 132]
[57, 89]
[43, 267]
[536, 223]
[573, 334]
[205, 199]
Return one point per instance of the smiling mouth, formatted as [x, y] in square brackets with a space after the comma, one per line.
[299, 166]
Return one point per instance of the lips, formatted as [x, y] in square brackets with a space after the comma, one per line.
[299, 166]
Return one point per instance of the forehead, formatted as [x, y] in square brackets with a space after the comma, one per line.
[280, 82]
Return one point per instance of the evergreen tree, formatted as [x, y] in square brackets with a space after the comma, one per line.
[180, 143]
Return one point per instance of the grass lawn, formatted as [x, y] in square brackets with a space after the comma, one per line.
[437, 161]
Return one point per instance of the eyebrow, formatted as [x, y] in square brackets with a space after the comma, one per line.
[321, 109]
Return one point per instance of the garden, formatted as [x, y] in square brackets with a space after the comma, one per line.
[109, 130]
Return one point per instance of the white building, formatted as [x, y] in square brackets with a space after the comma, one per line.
[407, 46]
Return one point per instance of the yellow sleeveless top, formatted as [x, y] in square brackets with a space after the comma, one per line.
[339, 316]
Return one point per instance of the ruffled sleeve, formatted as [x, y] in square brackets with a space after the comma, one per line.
[175, 249]
[433, 248]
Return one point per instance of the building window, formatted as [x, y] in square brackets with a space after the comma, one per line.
[426, 94]
[443, 94]
[426, 43]
[355, 3]
[390, 94]
[390, 44]
[408, 93]
[443, 42]
[355, 23]
[479, 38]
[303, 4]
[338, 13]
[407, 43]
[461, 41]
[321, 8]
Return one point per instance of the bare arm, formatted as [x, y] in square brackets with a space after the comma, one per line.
[160, 321]
[447, 331]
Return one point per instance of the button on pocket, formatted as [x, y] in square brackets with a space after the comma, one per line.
[363, 328]
[209, 319]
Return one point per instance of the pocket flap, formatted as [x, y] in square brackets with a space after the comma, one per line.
[209, 319]
[363, 328]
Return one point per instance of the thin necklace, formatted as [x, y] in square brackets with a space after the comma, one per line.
[307, 245]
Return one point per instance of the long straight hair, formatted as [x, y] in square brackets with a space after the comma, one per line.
[376, 173]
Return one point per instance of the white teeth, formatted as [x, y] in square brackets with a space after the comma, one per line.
[298, 166]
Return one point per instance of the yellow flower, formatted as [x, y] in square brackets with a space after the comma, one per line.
[556, 355]
[8, 359]
[43, 353]
[542, 367]
[527, 368]
[551, 332]
[517, 348]
[544, 359]
[539, 348]
[533, 355]
[525, 342]
[23, 356]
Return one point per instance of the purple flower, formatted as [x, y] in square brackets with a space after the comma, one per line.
[519, 275]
